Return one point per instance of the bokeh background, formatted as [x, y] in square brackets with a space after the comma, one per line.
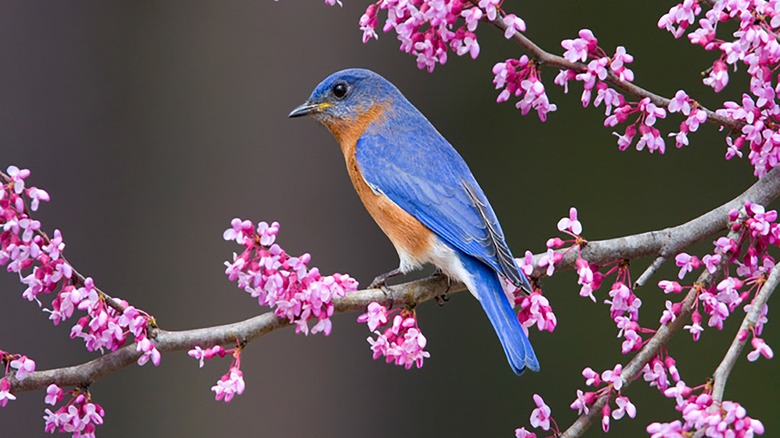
[152, 124]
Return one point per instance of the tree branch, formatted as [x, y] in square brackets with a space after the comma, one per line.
[663, 242]
[546, 58]
[721, 375]
[649, 350]
[670, 241]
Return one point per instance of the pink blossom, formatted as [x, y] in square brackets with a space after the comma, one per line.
[467, 44]
[239, 231]
[580, 48]
[148, 350]
[37, 196]
[608, 96]
[687, 263]
[230, 385]
[369, 21]
[623, 301]
[17, 178]
[490, 7]
[286, 284]
[625, 140]
[666, 430]
[613, 377]
[472, 17]
[522, 433]
[679, 392]
[605, 418]
[24, 366]
[563, 78]
[5, 392]
[585, 279]
[592, 378]
[680, 103]
[618, 64]
[760, 349]
[571, 223]
[624, 407]
[527, 263]
[375, 316]
[540, 417]
[695, 327]
[549, 259]
[632, 342]
[402, 343]
[555, 242]
[718, 77]
[535, 310]
[679, 17]
[671, 312]
[655, 374]
[670, 286]
[650, 137]
[513, 25]
[583, 402]
[53, 394]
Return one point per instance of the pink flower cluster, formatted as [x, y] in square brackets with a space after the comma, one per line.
[535, 310]
[268, 273]
[541, 418]
[695, 116]
[522, 78]
[23, 365]
[698, 409]
[232, 382]
[400, 342]
[38, 261]
[429, 29]
[613, 381]
[755, 46]
[79, 416]
[758, 231]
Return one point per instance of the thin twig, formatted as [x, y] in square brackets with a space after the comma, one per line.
[545, 58]
[657, 263]
[721, 375]
[77, 278]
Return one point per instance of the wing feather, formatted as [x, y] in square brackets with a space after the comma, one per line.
[420, 171]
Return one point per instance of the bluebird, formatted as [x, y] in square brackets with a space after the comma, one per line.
[422, 195]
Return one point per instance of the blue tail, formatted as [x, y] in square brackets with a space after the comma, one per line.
[491, 295]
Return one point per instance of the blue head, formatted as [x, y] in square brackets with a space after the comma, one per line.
[347, 95]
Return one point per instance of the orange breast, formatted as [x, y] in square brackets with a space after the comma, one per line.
[412, 239]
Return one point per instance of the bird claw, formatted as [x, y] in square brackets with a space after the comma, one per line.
[442, 298]
[380, 282]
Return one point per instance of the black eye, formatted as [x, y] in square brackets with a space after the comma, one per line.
[340, 90]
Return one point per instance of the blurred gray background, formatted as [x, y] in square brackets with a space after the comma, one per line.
[153, 123]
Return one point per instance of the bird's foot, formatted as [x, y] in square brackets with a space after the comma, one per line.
[442, 298]
[380, 282]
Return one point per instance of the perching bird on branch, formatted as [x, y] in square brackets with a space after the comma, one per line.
[422, 195]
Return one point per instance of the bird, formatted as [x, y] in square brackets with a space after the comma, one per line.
[423, 196]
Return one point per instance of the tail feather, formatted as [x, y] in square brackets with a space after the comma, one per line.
[495, 303]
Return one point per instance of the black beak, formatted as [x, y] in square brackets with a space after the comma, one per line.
[305, 109]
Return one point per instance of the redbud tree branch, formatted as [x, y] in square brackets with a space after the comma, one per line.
[721, 374]
[667, 241]
[650, 349]
[544, 58]
[78, 278]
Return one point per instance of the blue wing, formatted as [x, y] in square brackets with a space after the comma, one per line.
[414, 166]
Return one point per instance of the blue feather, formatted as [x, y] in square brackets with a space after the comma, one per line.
[499, 311]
